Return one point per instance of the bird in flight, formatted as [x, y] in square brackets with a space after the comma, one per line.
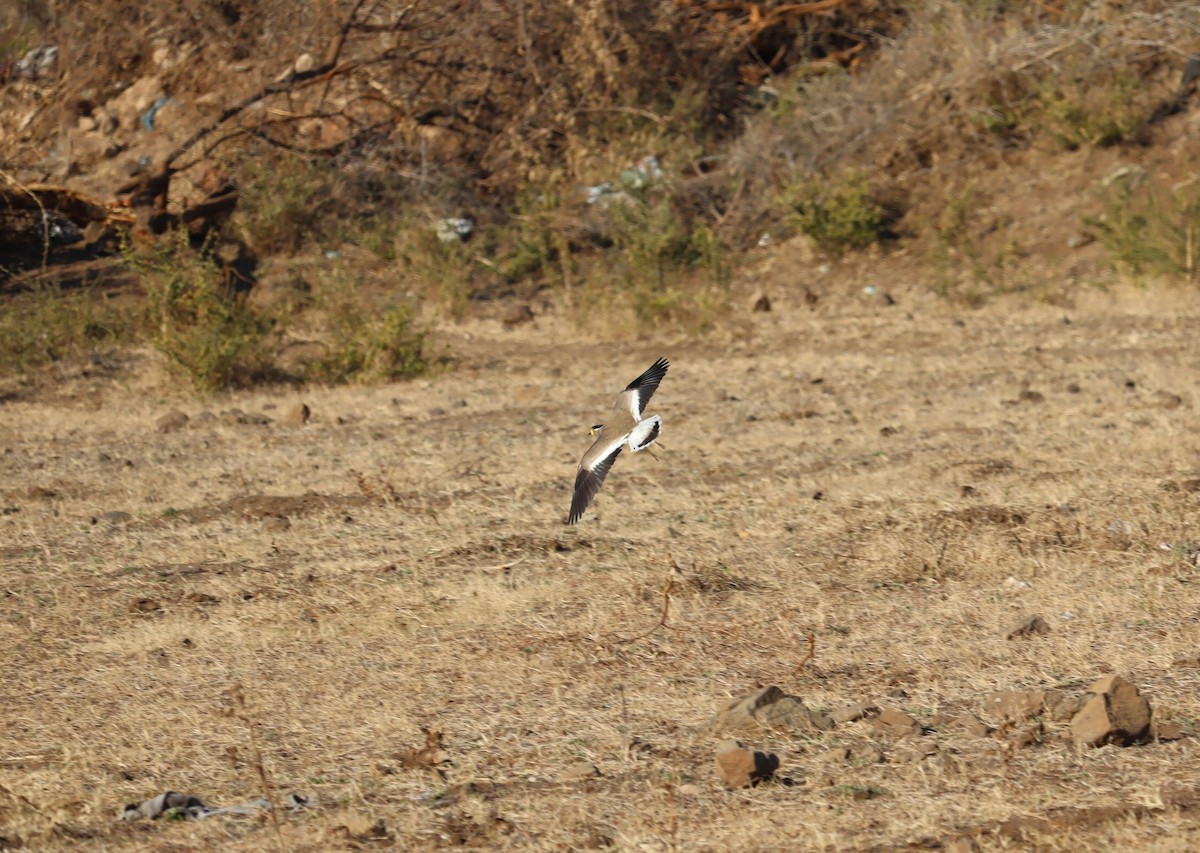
[625, 427]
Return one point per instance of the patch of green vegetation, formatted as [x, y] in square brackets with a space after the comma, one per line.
[840, 215]
[664, 268]
[278, 210]
[196, 319]
[47, 325]
[1149, 231]
[1092, 112]
[366, 342]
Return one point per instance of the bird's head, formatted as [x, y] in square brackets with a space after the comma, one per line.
[596, 429]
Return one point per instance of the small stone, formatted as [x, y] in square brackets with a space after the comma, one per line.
[277, 524]
[761, 302]
[768, 708]
[1030, 626]
[962, 844]
[1061, 708]
[1073, 388]
[517, 315]
[172, 421]
[1027, 737]
[969, 725]
[298, 415]
[1013, 706]
[1115, 712]
[852, 713]
[1168, 400]
[1168, 731]
[579, 771]
[896, 723]
[739, 767]
[1028, 395]
[859, 754]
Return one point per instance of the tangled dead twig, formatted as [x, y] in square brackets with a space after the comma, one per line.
[238, 711]
[812, 652]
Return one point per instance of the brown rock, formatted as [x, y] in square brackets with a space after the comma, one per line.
[1168, 400]
[771, 708]
[1030, 626]
[171, 422]
[134, 100]
[517, 315]
[859, 754]
[762, 302]
[298, 415]
[852, 713]
[1027, 736]
[739, 767]
[1115, 712]
[579, 771]
[204, 418]
[967, 724]
[236, 417]
[1168, 731]
[1013, 706]
[1061, 708]
[896, 723]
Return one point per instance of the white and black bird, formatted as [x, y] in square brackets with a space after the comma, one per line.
[625, 427]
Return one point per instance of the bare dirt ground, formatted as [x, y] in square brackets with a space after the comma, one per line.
[903, 482]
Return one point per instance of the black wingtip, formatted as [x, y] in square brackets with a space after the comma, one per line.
[652, 375]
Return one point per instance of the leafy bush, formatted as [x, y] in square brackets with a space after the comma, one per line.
[47, 325]
[194, 318]
[1148, 230]
[840, 216]
[364, 342]
[1093, 112]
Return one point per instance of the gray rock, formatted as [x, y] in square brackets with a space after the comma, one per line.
[768, 708]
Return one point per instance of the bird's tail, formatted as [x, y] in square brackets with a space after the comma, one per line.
[645, 433]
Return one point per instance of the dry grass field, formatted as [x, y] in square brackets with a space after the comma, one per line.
[901, 482]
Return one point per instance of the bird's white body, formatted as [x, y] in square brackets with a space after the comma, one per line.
[625, 428]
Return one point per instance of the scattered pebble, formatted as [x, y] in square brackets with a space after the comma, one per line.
[172, 421]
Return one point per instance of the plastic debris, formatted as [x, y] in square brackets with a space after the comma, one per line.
[38, 62]
[148, 116]
[172, 804]
[455, 229]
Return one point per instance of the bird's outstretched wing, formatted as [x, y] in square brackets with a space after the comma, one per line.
[593, 468]
[644, 386]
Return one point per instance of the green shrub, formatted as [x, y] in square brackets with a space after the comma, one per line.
[840, 216]
[366, 342]
[193, 317]
[1092, 112]
[1148, 230]
[664, 268]
[47, 325]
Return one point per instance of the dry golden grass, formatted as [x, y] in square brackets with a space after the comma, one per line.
[426, 580]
